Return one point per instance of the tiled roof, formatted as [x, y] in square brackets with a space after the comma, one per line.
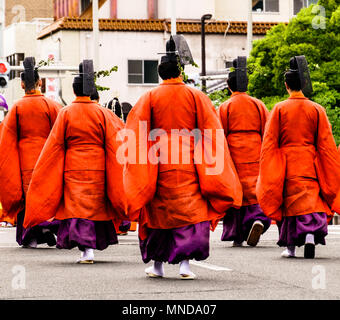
[158, 25]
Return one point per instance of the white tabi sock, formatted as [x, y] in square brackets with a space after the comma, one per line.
[155, 271]
[310, 238]
[33, 243]
[289, 252]
[184, 267]
[159, 268]
[88, 254]
[184, 271]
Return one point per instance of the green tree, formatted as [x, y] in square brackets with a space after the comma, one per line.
[304, 35]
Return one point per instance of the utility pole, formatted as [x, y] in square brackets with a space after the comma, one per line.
[95, 18]
[203, 74]
[250, 27]
[173, 17]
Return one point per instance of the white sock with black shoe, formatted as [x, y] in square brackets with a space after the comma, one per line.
[310, 238]
[49, 237]
[309, 252]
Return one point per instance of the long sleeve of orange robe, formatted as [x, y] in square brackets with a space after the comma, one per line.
[23, 135]
[167, 196]
[78, 169]
[300, 165]
[244, 119]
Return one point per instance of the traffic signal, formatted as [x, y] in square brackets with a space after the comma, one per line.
[5, 69]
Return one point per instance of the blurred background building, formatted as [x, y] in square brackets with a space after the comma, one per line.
[132, 35]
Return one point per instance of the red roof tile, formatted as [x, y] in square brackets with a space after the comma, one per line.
[158, 25]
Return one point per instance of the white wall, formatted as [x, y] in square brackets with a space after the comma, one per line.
[20, 38]
[132, 9]
[119, 47]
[70, 50]
[186, 9]
[105, 11]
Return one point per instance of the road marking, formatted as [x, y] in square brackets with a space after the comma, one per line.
[209, 266]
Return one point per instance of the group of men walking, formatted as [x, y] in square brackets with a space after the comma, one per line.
[71, 172]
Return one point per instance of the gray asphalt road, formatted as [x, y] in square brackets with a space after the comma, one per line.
[229, 273]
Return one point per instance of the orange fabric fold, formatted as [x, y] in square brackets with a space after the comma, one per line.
[172, 194]
[78, 169]
[244, 119]
[300, 165]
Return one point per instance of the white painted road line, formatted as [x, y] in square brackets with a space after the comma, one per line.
[209, 266]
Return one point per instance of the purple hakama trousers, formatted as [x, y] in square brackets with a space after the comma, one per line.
[237, 223]
[175, 245]
[25, 236]
[293, 230]
[84, 233]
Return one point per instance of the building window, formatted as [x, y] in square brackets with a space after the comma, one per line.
[15, 60]
[266, 6]
[142, 71]
[299, 4]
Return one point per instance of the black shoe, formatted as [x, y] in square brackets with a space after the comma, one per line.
[50, 239]
[255, 233]
[309, 251]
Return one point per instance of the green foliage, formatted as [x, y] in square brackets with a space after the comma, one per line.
[185, 77]
[270, 102]
[103, 74]
[270, 59]
[218, 97]
[304, 35]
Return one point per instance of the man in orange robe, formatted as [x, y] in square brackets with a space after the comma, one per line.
[80, 175]
[5, 221]
[299, 182]
[23, 135]
[177, 199]
[244, 118]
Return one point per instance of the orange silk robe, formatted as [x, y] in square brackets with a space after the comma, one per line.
[167, 196]
[244, 118]
[77, 175]
[300, 165]
[23, 135]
